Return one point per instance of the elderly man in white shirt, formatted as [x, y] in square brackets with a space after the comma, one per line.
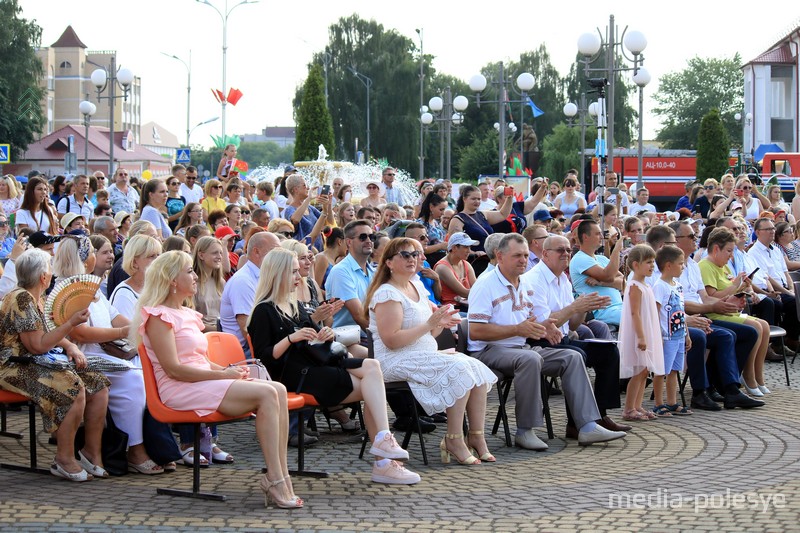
[501, 322]
[553, 299]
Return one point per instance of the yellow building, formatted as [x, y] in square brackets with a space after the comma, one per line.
[67, 67]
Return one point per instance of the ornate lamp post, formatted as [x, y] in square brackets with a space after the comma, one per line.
[102, 81]
[641, 78]
[584, 113]
[447, 112]
[87, 109]
[524, 82]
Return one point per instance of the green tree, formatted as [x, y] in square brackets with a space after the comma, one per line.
[265, 153]
[314, 126]
[479, 157]
[562, 151]
[713, 147]
[388, 59]
[685, 97]
[20, 93]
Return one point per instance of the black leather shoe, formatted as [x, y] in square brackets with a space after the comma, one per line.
[741, 400]
[403, 424]
[715, 396]
[704, 402]
[571, 433]
[439, 418]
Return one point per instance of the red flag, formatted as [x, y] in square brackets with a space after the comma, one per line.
[240, 165]
[234, 95]
[218, 95]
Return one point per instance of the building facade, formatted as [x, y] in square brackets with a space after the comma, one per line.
[68, 67]
[771, 96]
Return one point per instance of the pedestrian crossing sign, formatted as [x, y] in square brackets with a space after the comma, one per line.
[5, 154]
[184, 156]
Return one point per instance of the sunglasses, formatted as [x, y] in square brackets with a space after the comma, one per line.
[408, 255]
[216, 186]
[122, 174]
[559, 251]
[746, 188]
[364, 236]
[423, 238]
[691, 236]
[710, 187]
[388, 174]
[3, 224]
[174, 183]
[245, 212]
[287, 234]
[191, 177]
[371, 187]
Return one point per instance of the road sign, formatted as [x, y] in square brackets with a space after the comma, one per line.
[184, 156]
[5, 154]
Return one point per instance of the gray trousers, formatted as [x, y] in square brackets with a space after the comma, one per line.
[527, 364]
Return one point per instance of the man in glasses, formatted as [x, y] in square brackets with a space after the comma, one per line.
[308, 220]
[503, 323]
[349, 278]
[428, 276]
[190, 188]
[558, 304]
[390, 193]
[121, 195]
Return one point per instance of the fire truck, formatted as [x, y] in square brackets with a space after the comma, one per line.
[785, 167]
[664, 172]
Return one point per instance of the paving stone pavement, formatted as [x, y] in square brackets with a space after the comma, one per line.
[727, 471]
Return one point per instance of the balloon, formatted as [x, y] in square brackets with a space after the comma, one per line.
[147, 174]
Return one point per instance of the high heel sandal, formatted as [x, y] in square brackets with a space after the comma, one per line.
[445, 453]
[488, 457]
[297, 499]
[267, 486]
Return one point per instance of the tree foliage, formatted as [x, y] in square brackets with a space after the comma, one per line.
[561, 151]
[713, 147]
[20, 93]
[314, 126]
[684, 98]
[387, 58]
[478, 157]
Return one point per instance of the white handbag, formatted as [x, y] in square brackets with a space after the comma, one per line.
[347, 335]
[256, 367]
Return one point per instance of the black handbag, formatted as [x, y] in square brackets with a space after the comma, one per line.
[114, 447]
[329, 353]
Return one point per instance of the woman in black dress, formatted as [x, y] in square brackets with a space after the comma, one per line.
[280, 330]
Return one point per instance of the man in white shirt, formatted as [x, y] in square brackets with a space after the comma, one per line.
[77, 202]
[189, 188]
[501, 322]
[487, 202]
[642, 197]
[237, 297]
[553, 299]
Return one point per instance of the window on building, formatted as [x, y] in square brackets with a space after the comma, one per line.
[65, 64]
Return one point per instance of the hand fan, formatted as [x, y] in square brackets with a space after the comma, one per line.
[69, 296]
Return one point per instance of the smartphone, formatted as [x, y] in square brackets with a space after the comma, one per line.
[330, 300]
[739, 192]
[326, 190]
[508, 191]
[627, 243]
[751, 274]
[613, 190]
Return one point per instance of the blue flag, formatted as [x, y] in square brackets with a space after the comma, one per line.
[536, 111]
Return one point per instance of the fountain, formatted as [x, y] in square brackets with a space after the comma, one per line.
[322, 171]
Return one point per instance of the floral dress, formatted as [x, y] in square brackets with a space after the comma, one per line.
[54, 391]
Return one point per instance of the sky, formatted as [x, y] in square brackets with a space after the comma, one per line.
[270, 43]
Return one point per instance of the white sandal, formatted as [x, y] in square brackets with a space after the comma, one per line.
[221, 456]
[58, 471]
[187, 458]
[93, 469]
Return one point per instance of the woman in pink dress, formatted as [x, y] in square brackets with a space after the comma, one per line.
[187, 380]
[640, 345]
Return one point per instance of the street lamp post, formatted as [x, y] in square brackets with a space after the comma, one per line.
[224, 18]
[197, 126]
[188, 88]
[641, 78]
[583, 112]
[87, 109]
[748, 120]
[446, 112]
[524, 82]
[367, 81]
[421, 105]
[109, 79]
[590, 46]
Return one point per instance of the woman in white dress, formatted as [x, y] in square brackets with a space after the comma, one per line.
[404, 330]
[35, 211]
[140, 251]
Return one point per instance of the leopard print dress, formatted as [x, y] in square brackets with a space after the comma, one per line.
[53, 391]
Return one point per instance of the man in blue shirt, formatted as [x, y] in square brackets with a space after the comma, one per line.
[428, 277]
[349, 278]
[307, 219]
[596, 273]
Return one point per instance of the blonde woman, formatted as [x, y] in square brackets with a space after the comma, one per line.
[776, 199]
[281, 227]
[10, 197]
[208, 263]
[172, 337]
[726, 184]
[213, 200]
[281, 329]
[743, 194]
[140, 252]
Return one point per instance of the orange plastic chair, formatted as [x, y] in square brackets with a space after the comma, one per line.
[6, 398]
[162, 413]
[224, 349]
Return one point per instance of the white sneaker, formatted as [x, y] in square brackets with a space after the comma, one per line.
[394, 473]
[530, 441]
[388, 448]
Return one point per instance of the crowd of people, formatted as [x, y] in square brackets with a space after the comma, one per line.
[543, 282]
